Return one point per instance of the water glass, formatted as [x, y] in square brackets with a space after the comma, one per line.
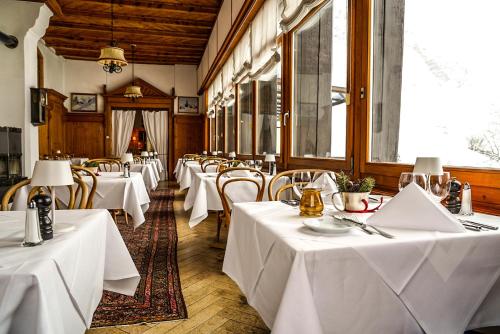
[440, 185]
[406, 178]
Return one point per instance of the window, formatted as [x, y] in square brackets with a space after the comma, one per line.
[219, 117]
[269, 112]
[213, 135]
[434, 85]
[319, 115]
[230, 127]
[245, 106]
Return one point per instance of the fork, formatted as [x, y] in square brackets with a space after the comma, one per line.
[365, 226]
[362, 228]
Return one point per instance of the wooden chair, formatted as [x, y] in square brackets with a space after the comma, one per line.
[137, 159]
[290, 184]
[105, 164]
[230, 163]
[206, 161]
[190, 157]
[78, 172]
[221, 189]
[81, 187]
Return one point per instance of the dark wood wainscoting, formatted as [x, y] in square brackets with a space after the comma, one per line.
[85, 134]
[188, 136]
[51, 134]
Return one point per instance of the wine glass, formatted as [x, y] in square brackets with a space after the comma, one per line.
[258, 164]
[440, 185]
[406, 178]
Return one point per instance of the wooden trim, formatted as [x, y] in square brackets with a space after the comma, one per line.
[238, 29]
[254, 117]
[84, 117]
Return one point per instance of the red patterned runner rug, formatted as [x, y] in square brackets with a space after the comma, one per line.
[153, 247]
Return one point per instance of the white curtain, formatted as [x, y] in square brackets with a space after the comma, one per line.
[264, 32]
[123, 124]
[243, 56]
[293, 11]
[227, 77]
[156, 125]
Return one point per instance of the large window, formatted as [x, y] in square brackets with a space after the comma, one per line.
[434, 84]
[320, 84]
[219, 117]
[230, 127]
[245, 106]
[213, 135]
[269, 112]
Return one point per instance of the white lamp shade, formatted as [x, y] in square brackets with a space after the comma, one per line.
[204, 152]
[127, 157]
[151, 154]
[428, 165]
[270, 158]
[155, 153]
[52, 173]
[144, 154]
[214, 153]
[232, 154]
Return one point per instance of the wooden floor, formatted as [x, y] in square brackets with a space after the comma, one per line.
[214, 302]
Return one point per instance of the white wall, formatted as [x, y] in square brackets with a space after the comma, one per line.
[89, 77]
[53, 68]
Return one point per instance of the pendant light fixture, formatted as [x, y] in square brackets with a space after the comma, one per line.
[112, 58]
[133, 91]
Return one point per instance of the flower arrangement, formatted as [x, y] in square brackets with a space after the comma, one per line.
[345, 185]
[91, 164]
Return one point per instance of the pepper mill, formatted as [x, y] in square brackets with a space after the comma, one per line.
[453, 201]
[43, 203]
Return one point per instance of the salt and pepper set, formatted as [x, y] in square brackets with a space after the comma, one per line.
[126, 170]
[38, 225]
[453, 203]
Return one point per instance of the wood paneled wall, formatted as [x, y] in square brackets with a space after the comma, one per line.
[51, 135]
[188, 135]
[85, 134]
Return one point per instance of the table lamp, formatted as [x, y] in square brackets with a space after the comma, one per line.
[204, 153]
[151, 154]
[214, 153]
[155, 154]
[232, 155]
[53, 173]
[271, 159]
[126, 160]
[144, 156]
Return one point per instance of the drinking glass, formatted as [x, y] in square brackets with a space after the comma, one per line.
[301, 180]
[407, 178]
[440, 185]
[258, 164]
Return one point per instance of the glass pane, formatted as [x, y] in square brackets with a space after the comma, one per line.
[245, 118]
[435, 93]
[320, 84]
[230, 123]
[269, 112]
[213, 135]
[220, 129]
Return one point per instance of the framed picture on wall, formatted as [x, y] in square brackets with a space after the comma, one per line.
[188, 105]
[82, 102]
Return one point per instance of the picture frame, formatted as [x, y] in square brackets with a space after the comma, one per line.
[83, 102]
[188, 105]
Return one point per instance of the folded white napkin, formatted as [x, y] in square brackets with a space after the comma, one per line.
[241, 173]
[413, 208]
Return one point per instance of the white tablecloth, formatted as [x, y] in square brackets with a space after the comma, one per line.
[186, 173]
[304, 282]
[178, 167]
[56, 287]
[149, 172]
[202, 196]
[159, 165]
[113, 192]
[78, 161]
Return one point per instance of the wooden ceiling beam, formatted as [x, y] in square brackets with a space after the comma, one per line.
[149, 62]
[139, 5]
[88, 7]
[100, 42]
[167, 25]
[128, 54]
[106, 29]
[91, 57]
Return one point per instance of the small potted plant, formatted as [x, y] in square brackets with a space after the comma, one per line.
[353, 194]
[92, 166]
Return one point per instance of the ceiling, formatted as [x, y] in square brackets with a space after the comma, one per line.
[165, 31]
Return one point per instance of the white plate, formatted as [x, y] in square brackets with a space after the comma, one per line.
[326, 225]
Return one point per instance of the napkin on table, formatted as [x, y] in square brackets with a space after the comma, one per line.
[413, 208]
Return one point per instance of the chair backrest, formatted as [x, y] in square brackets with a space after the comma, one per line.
[105, 164]
[291, 182]
[78, 172]
[222, 182]
[204, 162]
[81, 187]
[231, 163]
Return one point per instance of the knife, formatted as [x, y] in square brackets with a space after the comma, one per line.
[379, 231]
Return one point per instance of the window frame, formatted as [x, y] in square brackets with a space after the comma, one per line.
[292, 162]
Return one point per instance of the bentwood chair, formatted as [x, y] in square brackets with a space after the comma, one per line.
[292, 182]
[80, 187]
[206, 161]
[190, 157]
[222, 182]
[78, 172]
[105, 164]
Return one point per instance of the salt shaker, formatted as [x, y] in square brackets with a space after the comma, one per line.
[466, 207]
[126, 170]
[32, 236]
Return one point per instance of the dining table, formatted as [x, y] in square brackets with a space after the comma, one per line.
[54, 288]
[149, 172]
[185, 173]
[114, 192]
[421, 281]
[203, 196]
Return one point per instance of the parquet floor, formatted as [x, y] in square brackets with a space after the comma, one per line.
[214, 302]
